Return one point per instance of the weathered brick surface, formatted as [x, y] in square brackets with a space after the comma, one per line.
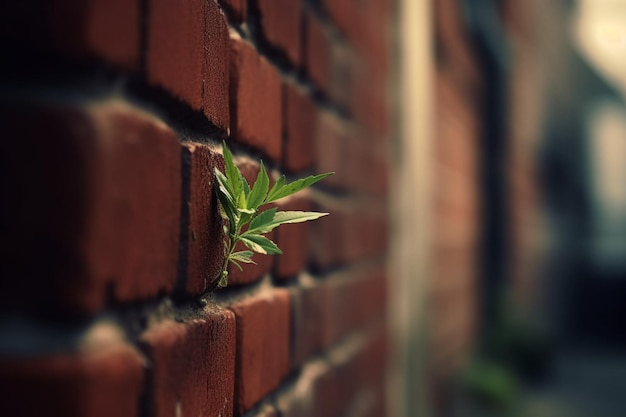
[281, 23]
[103, 383]
[110, 207]
[300, 125]
[107, 30]
[293, 239]
[311, 315]
[263, 335]
[348, 384]
[255, 100]
[192, 365]
[94, 192]
[205, 235]
[348, 236]
[317, 53]
[326, 312]
[187, 54]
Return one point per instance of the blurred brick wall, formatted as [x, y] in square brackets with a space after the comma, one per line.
[456, 199]
[113, 113]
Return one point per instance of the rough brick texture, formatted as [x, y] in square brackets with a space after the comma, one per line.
[192, 365]
[113, 114]
[281, 22]
[102, 383]
[301, 124]
[263, 335]
[294, 239]
[255, 100]
[205, 234]
[101, 208]
[108, 30]
[187, 54]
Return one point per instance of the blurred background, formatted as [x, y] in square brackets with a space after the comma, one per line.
[515, 118]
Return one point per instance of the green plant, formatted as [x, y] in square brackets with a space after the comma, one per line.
[240, 206]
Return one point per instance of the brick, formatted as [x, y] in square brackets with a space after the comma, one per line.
[281, 22]
[311, 315]
[107, 30]
[300, 399]
[350, 382]
[360, 165]
[263, 337]
[345, 237]
[205, 235]
[237, 10]
[256, 100]
[187, 54]
[107, 382]
[192, 365]
[95, 194]
[317, 53]
[301, 123]
[293, 239]
[355, 302]
[369, 102]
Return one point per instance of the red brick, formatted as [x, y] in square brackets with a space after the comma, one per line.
[205, 239]
[192, 365]
[359, 163]
[256, 100]
[355, 302]
[187, 54]
[347, 16]
[106, 382]
[301, 123]
[237, 10]
[301, 398]
[108, 30]
[281, 22]
[369, 102]
[263, 337]
[294, 240]
[95, 193]
[349, 382]
[347, 236]
[312, 317]
[317, 53]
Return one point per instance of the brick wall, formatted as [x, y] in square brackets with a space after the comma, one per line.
[456, 200]
[112, 113]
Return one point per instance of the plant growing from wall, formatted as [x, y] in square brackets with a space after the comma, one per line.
[240, 206]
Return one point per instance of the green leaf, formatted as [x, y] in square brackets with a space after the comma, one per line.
[235, 180]
[259, 189]
[282, 217]
[243, 256]
[260, 244]
[296, 186]
[243, 200]
[235, 263]
[263, 218]
[226, 201]
[246, 187]
[278, 185]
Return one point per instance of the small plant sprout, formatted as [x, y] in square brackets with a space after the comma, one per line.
[240, 205]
